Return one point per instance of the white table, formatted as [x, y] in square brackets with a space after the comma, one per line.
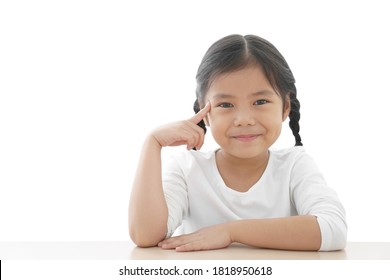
[127, 250]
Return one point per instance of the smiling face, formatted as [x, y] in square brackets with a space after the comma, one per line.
[246, 113]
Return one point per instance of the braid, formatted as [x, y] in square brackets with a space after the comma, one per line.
[196, 110]
[295, 115]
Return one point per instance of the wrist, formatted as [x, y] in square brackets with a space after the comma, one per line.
[151, 140]
[232, 230]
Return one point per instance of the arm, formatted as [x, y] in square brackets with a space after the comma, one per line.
[312, 196]
[290, 233]
[148, 211]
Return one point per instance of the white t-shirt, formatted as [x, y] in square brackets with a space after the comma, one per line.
[291, 184]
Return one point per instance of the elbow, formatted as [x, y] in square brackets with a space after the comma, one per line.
[340, 235]
[334, 236]
[142, 241]
[145, 239]
[341, 238]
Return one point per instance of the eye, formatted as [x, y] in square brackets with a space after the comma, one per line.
[260, 102]
[225, 105]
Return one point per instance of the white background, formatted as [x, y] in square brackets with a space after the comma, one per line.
[82, 83]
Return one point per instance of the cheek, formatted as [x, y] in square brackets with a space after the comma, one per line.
[274, 127]
[220, 116]
[218, 124]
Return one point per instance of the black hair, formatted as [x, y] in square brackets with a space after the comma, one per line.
[235, 52]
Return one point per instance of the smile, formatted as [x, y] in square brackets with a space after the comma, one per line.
[246, 138]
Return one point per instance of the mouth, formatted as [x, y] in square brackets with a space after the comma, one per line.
[246, 137]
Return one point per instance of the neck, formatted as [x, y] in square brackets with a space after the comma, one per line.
[244, 164]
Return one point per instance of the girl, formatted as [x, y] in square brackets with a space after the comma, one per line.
[242, 192]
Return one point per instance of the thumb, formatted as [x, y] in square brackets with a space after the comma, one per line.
[201, 114]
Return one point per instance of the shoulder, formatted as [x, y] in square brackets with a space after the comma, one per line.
[294, 160]
[291, 154]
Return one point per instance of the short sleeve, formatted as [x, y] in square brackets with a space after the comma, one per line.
[311, 196]
[175, 192]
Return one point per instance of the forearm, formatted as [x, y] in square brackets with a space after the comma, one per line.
[290, 233]
[148, 212]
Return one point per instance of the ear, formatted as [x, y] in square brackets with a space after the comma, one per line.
[286, 107]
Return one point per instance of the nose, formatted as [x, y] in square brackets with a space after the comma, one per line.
[244, 117]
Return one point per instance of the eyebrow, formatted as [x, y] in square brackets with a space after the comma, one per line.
[257, 93]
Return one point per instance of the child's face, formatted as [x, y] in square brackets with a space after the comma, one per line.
[246, 112]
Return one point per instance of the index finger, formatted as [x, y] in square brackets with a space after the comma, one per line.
[201, 114]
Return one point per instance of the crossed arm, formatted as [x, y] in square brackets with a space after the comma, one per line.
[290, 233]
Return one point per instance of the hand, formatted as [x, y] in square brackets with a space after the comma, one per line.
[209, 238]
[183, 132]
